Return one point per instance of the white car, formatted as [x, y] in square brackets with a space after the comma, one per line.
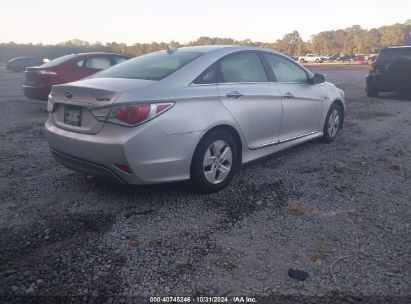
[192, 113]
[311, 58]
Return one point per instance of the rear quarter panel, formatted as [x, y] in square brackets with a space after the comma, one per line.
[198, 109]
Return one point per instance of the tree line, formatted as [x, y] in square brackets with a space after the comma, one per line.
[352, 40]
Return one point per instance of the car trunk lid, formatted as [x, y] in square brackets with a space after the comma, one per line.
[72, 103]
[38, 76]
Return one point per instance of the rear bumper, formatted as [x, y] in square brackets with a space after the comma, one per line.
[85, 167]
[152, 155]
[38, 93]
[380, 83]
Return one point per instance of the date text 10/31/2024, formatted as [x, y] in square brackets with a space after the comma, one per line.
[203, 300]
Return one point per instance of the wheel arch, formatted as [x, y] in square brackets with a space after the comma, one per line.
[341, 105]
[229, 129]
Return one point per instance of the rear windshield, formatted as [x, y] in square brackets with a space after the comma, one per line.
[386, 56]
[154, 66]
[57, 61]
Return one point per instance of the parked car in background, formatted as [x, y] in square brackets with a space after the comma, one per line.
[39, 80]
[20, 63]
[371, 60]
[310, 58]
[325, 58]
[390, 72]
[191, 113]
[346, 58]
[360, 60]
[333, 58]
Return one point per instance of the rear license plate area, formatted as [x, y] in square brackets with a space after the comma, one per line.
[72, 115]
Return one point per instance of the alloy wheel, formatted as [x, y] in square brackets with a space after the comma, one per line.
[217, 162]
[333, 123]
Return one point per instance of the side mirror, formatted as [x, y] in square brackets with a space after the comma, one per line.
[318, 78]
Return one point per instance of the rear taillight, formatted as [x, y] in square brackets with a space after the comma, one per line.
[131, 115]
[46, 72]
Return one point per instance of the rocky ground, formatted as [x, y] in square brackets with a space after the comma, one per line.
[339, 212]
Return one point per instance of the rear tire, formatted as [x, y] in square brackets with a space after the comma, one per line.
[214, 162]
[333, 123]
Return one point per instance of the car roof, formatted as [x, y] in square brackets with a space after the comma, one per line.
[225, 49]
[213, 53]
[97, 53]
[205, 48]
[397, 47]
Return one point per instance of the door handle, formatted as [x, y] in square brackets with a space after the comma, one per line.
[234, 94]
[288, 95]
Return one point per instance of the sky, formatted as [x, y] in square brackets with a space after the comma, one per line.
[54, 21]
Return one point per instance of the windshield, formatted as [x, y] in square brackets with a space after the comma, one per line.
[57, 61]
[154, 66]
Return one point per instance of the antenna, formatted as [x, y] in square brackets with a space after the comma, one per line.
[171, 49]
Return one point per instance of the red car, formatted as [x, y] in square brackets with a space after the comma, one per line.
[40, 79]
[360, 60]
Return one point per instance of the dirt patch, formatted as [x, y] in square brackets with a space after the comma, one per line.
[301, 208]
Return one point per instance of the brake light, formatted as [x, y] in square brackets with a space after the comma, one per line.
[134, 114]
[46, 72]
[131, 115]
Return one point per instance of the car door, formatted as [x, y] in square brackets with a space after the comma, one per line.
[302, 102]
[254, 102]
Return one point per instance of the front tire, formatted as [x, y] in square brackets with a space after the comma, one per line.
[333, 123]
[214, 162]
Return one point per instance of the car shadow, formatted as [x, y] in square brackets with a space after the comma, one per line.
[396, 96]
[149, 189]
[184, 187]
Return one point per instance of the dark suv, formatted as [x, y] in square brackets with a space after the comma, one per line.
[390, 72]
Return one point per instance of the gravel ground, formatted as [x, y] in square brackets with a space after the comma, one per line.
[339, 211]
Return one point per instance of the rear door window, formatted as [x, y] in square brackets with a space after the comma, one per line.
[209, 76]
[98, 63]
[242, 67]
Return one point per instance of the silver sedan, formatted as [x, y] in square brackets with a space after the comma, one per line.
[194, 113]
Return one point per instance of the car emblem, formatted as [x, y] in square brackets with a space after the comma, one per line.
[69, 95]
